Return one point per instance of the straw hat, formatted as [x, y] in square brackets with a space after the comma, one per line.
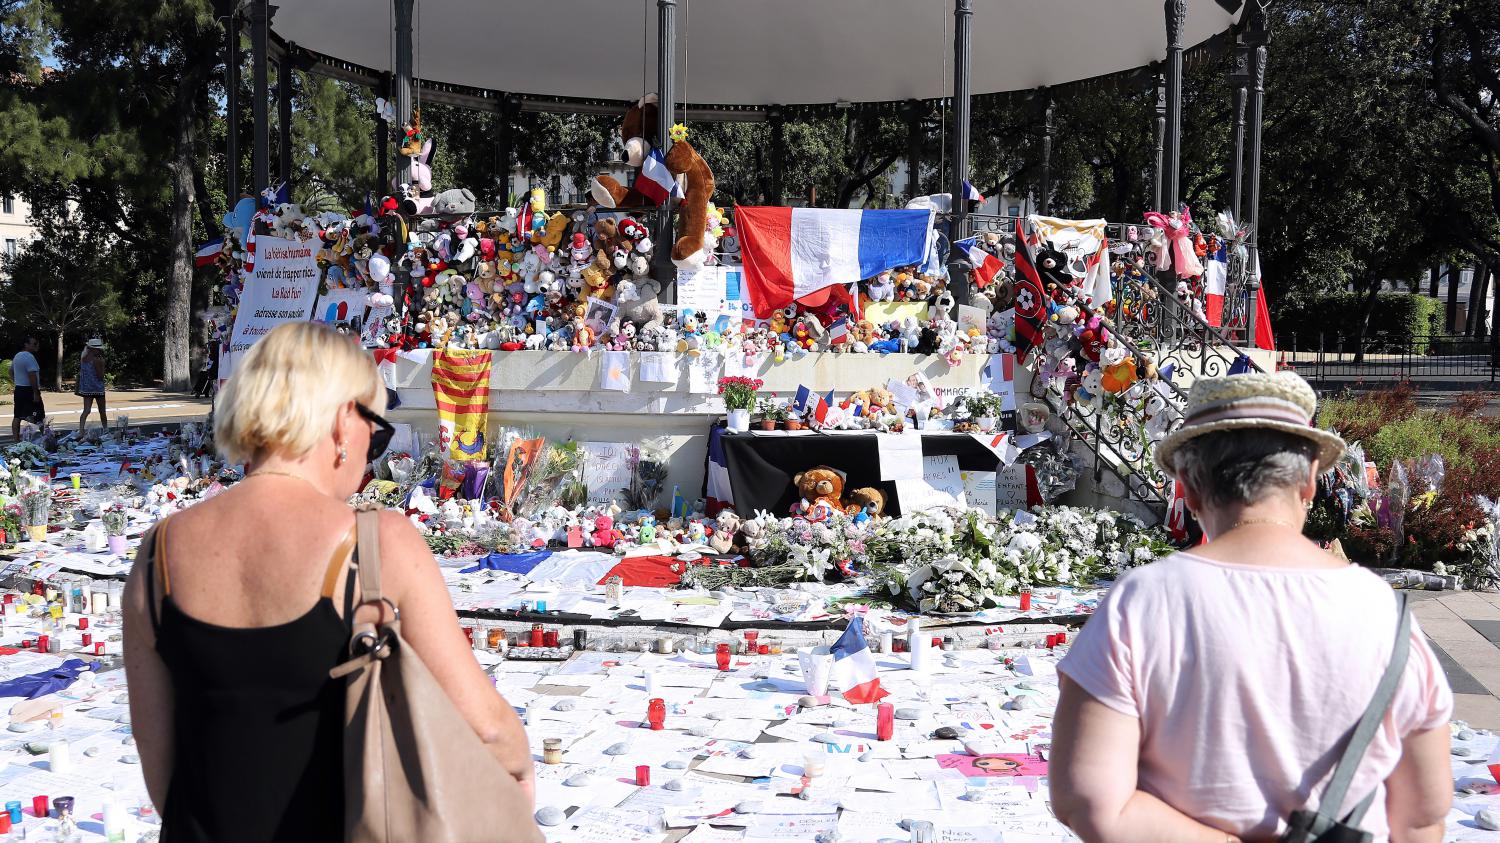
[95, 343]
[1278, 401]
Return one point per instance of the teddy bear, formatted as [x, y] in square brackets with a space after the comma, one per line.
[726, 525]
[1119, 370]
[865, 503]
[638, 303]
[822, 490]
[1090, 392]
[638, 131]
[1094, 338]
[691, 249]
[882, 287]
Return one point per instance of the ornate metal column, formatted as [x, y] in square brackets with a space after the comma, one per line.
[1257, 37]
[260, 24]
[284, 75]
[1239, 77]
[403, 10]
[666, 55]
[1176, 12]
[958, 268]
[232, 107]
[1044, 199]
[1157, 199]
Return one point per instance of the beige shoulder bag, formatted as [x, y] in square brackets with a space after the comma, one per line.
[413, 768]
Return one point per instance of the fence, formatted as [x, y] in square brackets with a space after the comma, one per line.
[1339, 359]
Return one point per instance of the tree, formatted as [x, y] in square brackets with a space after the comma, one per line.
[333, 140]
[1465, 47]
[63, 283]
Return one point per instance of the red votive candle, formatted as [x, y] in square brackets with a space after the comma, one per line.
[88, 638]
[549, 638]
[656, 714]
[4, 822]
[885, 721]
[722, 656]
[83, 623]
[1025, 601]
[763, 649]
[642, 776]
[41, 643]
[937, 643]
[98, 648]
[1062, 638]
[469, 634]
[1051, 641]
[39, 806]
[537, 636]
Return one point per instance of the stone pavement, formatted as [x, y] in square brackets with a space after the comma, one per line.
[1464, 628]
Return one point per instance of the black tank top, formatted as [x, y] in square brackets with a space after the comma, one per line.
[258, 723]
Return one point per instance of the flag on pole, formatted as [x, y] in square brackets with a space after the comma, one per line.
[986, 265]
[854, 665]
[1031, 296]
[1214, 275]
[820, 410]
[796, 254]
[799, 401]
[1096, 282]
[972, 193]
[655, 181]
[838, 332]
[208, 252]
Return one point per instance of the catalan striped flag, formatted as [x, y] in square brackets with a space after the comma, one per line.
[461, 388]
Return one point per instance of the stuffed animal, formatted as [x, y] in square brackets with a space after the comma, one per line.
[865, 503]
[726, 525]
[690, 250]
[638, 303]
[1094, 337]
[416, 181]
[458, 201]
[638, 130]
[822, 490]
[1090, 393]
[882, 287]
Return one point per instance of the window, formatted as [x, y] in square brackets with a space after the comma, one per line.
[8, 204]
[1015, 210]
[10, 247]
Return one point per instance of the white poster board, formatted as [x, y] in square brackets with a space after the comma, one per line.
[283, 289]
[941, 484]
[606, 470]
[979, 490]
[341, 304]
[1010, 487]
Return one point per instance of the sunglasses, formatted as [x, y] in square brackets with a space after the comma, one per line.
[380, 437]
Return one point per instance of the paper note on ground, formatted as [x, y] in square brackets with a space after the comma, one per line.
[900, 457]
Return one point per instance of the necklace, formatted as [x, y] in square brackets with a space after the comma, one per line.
[275, 473]
[1244, 522]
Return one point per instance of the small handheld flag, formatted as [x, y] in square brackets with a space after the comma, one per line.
[854, 665]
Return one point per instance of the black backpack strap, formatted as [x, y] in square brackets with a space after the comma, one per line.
[1364, 731]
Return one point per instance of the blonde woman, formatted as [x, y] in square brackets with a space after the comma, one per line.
[234, 621]
[1211, 694]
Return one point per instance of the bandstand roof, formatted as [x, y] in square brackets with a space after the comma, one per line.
[750, 52]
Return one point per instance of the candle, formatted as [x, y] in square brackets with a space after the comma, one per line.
[580, 639]
[721, 656]
[59, 757]
[39, 806]
[98, 648]
[1026, 600]
[551, 750]
[642, 775]
[13, 810]
[469, 634]
[887, 642]
[764, 649]
[664, 646]
[541, 607]
[537, 636]
[885, 721]
[656, 714]
[1062, 637]
[918, 644]
[41, 643]
[88, 638]
[494, 637]
[4, 822]
[549, 638]
[83, 623]
[77, 480]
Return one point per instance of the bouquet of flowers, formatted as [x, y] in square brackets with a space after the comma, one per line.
[36, 505]
[739, 392]
[116, 518]
[27, 455]
[787, 550]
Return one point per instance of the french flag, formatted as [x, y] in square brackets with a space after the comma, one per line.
[854, 666]
[806, 254]
[1214, 275]
[986, 265]
[972, 193]
[718, 493]
[208, 252]
[838, 332]
[655, 181]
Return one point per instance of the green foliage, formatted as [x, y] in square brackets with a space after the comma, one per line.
[1400, 317]
[1465, 442]
[333, 127]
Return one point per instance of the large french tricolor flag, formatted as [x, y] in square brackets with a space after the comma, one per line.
[793, 254]
[1215, 273]
[854, 666]
[208, 252]
[986, 266]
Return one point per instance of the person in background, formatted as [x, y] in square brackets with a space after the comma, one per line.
[239, 606]
[1210, 695]
[28, 378]
[208, 375]
[91, 382]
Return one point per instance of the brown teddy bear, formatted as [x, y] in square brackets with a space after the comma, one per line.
[692, 220]
[639, 132]
[866, 499]
[822, 490]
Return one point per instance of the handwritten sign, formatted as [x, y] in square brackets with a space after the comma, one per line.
[606, 470]
[941, 484]
[1010, 487]
[284, 288]
[979, 489]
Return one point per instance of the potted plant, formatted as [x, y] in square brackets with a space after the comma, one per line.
[985, 408]
[36, 506]
[739, 400]
[10, 524]
[116, 519]
[771, 412]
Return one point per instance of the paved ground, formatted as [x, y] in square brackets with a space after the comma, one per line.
[143, 406]
[1464, 628]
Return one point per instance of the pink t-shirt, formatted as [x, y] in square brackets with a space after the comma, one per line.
[1246, 680]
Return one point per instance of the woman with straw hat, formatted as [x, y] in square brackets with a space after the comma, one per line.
[1211, 694]
[91, 382]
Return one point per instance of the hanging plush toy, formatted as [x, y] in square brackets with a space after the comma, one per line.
[1178, 227]
[639, 133]
[691, 249]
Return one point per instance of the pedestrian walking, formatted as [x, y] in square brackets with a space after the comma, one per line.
[28, 379]
[208, 373]
[1214, 693]
[91, 383]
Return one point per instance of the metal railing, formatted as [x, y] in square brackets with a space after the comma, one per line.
[1337, 359]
